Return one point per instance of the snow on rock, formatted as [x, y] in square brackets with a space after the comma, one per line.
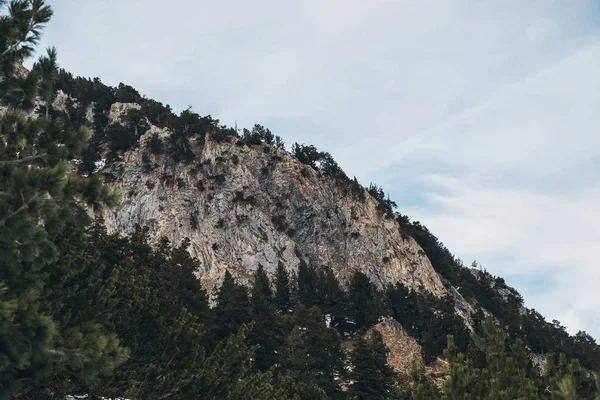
[99, 164]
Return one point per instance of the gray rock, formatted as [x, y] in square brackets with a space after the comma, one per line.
[242, 206]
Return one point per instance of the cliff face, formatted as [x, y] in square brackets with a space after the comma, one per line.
[242, 206]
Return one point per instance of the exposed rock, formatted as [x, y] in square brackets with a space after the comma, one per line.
[462, 307]
[404, 349]
[538, 361]
[242, 206]
[117, 110]
[60, 101]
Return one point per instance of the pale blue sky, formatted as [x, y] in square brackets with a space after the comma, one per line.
[481, 118]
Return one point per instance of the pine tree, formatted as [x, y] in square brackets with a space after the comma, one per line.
[422, 388]
[39, 199]
[232, 309]
[307, 285]
[331, 296]
[363, 300]
[372, 377]
[267, 332]
[283, 301]
[505, 376]
[312, 352]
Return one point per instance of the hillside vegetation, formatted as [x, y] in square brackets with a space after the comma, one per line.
[85, 310]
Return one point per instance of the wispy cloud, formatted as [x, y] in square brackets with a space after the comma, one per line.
[480, 118]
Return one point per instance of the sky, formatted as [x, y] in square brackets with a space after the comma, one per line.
[480, 118]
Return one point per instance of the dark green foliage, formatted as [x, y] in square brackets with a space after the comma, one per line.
[40, 208]
[20, 31]
[156, 113]
[508, 374]
[307, 285]
[428, 319]
[312, 352]
[232, 309]
[159, 309]
[47, 70]
[120, 139]
[422, 388]
[280, 222]
[180, 149]
[365, 301]
[126, 94]
[279, 143]
[42, 229]
[258, 135]
[476, 284]
[239, 198]
[308, 155]
[194, 220]
[84, 311]
[267, 332]
[294, 390]
[261, 135]
[331, 297]
[282, 299]
[320, 161]
[372, 377]
[386, 205]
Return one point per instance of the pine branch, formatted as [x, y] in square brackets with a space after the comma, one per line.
[18, 210]
[14, 46]
[24, 159]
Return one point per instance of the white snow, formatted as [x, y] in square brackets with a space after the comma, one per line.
[100, 164]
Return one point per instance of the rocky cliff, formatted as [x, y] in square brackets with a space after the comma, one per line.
[244, 205]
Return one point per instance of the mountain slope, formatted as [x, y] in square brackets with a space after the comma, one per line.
[243, 205]
[243, 201]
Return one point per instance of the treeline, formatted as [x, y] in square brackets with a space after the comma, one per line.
[497, 368]
[84, 311]
[503, 302]
[114, 139]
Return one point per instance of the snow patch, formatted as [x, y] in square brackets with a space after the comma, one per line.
[99, 164]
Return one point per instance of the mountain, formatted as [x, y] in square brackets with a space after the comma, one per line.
[244, 204]
[230, 267]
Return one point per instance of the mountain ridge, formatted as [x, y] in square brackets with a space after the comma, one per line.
[244, 205]
[319, 287]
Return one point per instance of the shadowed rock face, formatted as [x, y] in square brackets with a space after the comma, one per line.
[242, 206]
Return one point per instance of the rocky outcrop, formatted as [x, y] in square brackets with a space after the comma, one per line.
[117, 110]
[403, 348]
[243, 205]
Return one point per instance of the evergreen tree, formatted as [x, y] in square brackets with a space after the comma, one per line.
[267, 330]
[331, 296]
[505, 375]
[372, 377]
[364, 305]
[307, 285]
[422, 387]
[39, 202]
[232, 309]
[283, 301]
[312, 352]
